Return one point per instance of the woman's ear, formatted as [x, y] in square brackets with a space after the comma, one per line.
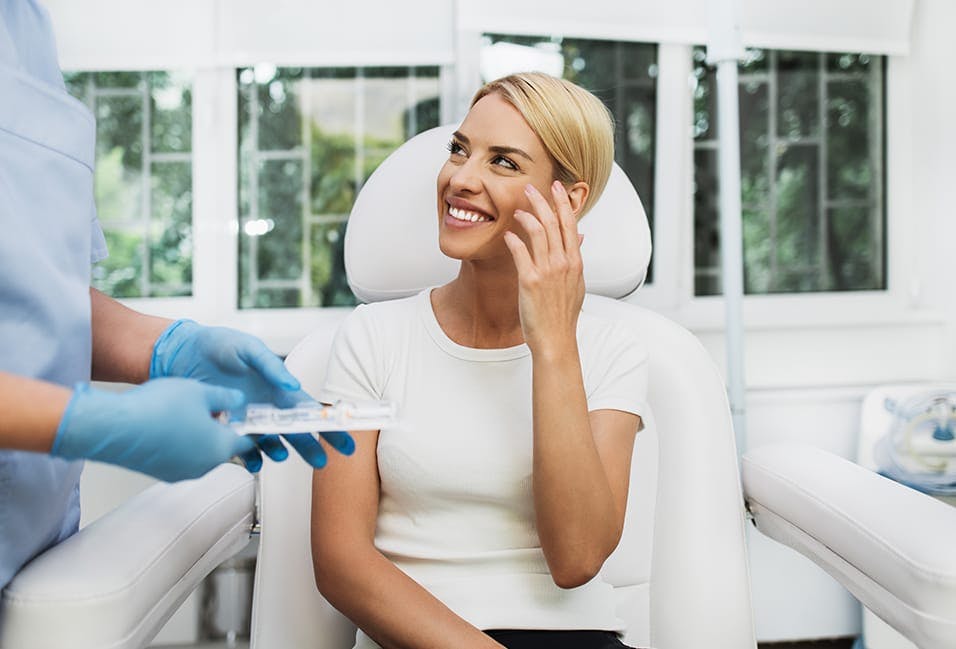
[578, 195]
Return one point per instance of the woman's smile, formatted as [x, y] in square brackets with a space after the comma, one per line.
[462, 214]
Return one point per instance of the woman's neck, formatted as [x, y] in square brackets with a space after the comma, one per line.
[479, 308]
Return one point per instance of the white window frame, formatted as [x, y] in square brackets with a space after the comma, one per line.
[896, 304]
[770, 319]
[215, 295]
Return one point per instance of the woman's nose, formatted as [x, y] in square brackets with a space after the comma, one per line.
[466, 177]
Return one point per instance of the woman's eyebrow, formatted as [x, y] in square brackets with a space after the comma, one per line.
[502, 150]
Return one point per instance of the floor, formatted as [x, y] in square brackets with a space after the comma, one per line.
[841, 643]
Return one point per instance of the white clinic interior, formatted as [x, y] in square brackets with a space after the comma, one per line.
[233, 135]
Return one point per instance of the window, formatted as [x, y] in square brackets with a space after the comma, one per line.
[624, 76]
[812, 172]
[308, 140]
[143, 181]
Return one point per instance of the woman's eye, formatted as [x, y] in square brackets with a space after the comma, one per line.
[502, 161]
[455, 149]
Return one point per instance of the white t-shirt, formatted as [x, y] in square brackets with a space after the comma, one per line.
[456, 511]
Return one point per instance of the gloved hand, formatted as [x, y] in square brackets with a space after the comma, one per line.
[225, 357]
[234, 359]
[163, 428]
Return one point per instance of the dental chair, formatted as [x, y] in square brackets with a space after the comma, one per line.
[680, 570]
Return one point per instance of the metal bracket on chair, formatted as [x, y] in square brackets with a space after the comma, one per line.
[749, 515]
[256, 528]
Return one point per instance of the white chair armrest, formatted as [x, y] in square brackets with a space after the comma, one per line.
[889, 545]
[116, 582]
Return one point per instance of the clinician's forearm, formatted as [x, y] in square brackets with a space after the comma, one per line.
[393, 609]
[30, 412]
[577, 520]
[122, 340]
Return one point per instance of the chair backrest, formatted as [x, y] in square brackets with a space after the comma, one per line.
[680, 570]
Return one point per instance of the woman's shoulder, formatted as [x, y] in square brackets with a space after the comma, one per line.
[601, 327]
[382, 319]
[391, 308]
[599, 335]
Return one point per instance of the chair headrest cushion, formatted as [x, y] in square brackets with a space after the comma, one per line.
[391, 241]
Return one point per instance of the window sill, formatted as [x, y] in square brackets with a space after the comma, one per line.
[816, 311]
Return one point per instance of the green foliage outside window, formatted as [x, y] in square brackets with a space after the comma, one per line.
[812, 152]
[309, 138]
[143, 179]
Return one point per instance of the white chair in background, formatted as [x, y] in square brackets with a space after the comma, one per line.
[681, 567]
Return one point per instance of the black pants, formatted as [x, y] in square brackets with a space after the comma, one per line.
[520, 639]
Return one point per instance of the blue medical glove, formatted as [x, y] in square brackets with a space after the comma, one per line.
[235, 359]
[164, 428]
[225, 357]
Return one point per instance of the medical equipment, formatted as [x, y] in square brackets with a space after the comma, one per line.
[314, 417]
[919, 448]
[906, 434]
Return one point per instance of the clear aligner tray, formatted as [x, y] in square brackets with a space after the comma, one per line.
[314, 417]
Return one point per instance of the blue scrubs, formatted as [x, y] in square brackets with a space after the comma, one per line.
[49, 236]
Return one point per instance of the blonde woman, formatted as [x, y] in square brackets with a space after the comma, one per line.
[484, 519]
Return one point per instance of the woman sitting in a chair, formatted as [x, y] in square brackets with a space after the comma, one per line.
[483, 520]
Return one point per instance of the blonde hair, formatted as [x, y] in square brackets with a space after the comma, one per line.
[577, 130]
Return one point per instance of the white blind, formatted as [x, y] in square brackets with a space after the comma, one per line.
[133, 34]
[872, 26]
[338, 31]
[143, 34]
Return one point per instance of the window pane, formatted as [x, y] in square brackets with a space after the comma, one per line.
[624, 76]
[811, 148]
[279, 248]
[143, 179]
[170, 251]
[170, 116]
[849, 120]
[308, 140]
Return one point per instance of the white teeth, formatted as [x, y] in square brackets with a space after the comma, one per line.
[463, 215]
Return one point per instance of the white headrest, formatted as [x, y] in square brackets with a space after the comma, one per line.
[391, 241]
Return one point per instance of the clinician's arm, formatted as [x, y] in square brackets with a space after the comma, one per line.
[132, 347]
[30, 412]
[123, 340]
[357, 579]
[581, 460]
[136, 429]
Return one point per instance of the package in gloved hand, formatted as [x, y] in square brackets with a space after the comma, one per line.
[314, 417]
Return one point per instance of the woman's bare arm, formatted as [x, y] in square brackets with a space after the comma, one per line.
[581, 471]
[357, 579]
[581, 461]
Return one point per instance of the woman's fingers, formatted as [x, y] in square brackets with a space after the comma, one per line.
[545, 215]
[537, 237]
[519, 252]
[566, 220]
[553, 239]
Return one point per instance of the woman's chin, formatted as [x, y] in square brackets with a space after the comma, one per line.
[451, 250]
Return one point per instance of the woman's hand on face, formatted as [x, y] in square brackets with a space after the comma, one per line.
[550, 271]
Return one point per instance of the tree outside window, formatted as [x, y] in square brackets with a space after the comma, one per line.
[308, 140]
[143, 179]
[812, 172]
